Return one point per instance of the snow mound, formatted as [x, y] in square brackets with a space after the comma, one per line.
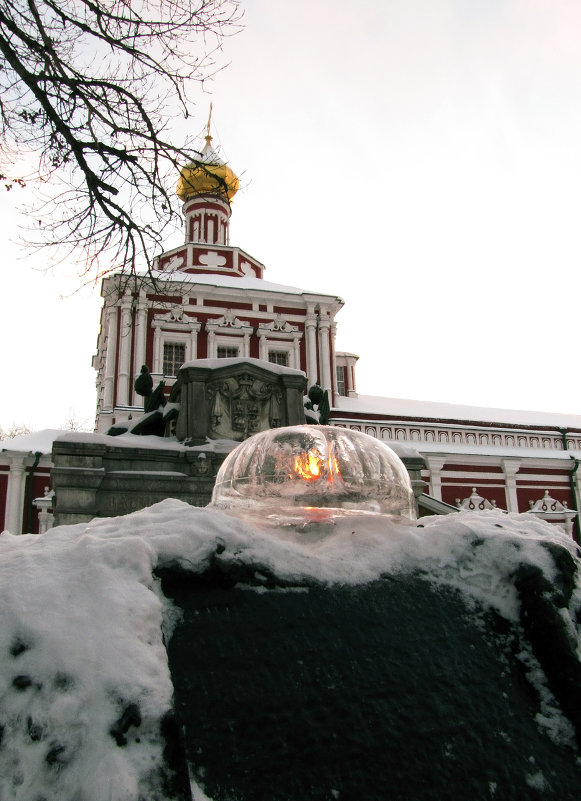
[84, 679]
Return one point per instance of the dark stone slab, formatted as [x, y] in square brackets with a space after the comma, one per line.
[385, 692]
[95, 480]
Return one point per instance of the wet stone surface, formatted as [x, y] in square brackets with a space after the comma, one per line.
[393, 690]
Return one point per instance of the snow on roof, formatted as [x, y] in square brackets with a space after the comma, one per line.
[36, 442]
[86, 645]
[235, 282]
[150, 442]
[213, 364]
[433, 410]
[405, 449]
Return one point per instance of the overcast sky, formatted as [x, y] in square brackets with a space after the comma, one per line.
[419, 158]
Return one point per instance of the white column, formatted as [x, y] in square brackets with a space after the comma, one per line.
[296, 353]
[15, 495]
[325, 357]
[311, 348]
[568, 524]
[510, 468]
[211, 344]
[110, 360]
[124, 354]
[262, 347]
[333, 362]
[246, 345]
[140, 342]
[435, 465]
[193, 349]
[157, 366]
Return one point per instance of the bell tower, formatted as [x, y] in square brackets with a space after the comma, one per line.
[207, 186]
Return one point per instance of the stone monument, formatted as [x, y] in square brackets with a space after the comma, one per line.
[213, 405]
[233, 399]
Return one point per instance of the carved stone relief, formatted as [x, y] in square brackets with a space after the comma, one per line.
[242, 405]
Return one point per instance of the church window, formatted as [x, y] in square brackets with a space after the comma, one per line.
[341, 380]
[174, 355]
[278, 357]
[226, 353]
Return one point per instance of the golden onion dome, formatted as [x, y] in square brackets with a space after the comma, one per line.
[209, 176]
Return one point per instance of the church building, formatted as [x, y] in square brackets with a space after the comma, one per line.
[208, 299]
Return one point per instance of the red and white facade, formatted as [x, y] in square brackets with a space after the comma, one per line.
[196, 315]
[25, 465]
[511, 458]
[208, 299]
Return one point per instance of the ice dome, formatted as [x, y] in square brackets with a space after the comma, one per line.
[314, 466]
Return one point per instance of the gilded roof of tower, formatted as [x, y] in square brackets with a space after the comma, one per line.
[208, 176]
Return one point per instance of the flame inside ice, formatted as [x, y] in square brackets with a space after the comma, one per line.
[314, 467]
[310, 465]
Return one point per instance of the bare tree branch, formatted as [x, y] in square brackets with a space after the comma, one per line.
[88, 88]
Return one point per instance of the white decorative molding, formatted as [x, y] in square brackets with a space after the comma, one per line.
[44, 506]
[212, 259]
[465, 435]
[176, 314]
[280, 325]
[174, 264]
[174, 326]
[287, 339]
[553, 511]
[228, 331]
[476, 503]
[228, 320]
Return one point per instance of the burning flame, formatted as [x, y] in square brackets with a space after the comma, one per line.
[310, 465]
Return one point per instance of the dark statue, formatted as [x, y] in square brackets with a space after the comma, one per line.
[144, 382]
[318, 401]
[152, 421]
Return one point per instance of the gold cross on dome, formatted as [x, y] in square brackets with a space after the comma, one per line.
[209, 121]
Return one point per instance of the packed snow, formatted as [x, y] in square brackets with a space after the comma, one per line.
[81, 644]
[436, 410]
[232, 281]
[215, 364]
[35, 442]
[150, 442]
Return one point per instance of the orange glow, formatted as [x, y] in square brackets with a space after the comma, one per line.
[309, 465]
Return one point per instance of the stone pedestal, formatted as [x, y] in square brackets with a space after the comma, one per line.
[396, 689]
[105, 480]
[237, 399]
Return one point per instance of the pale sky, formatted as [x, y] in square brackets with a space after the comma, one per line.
[419, 158]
